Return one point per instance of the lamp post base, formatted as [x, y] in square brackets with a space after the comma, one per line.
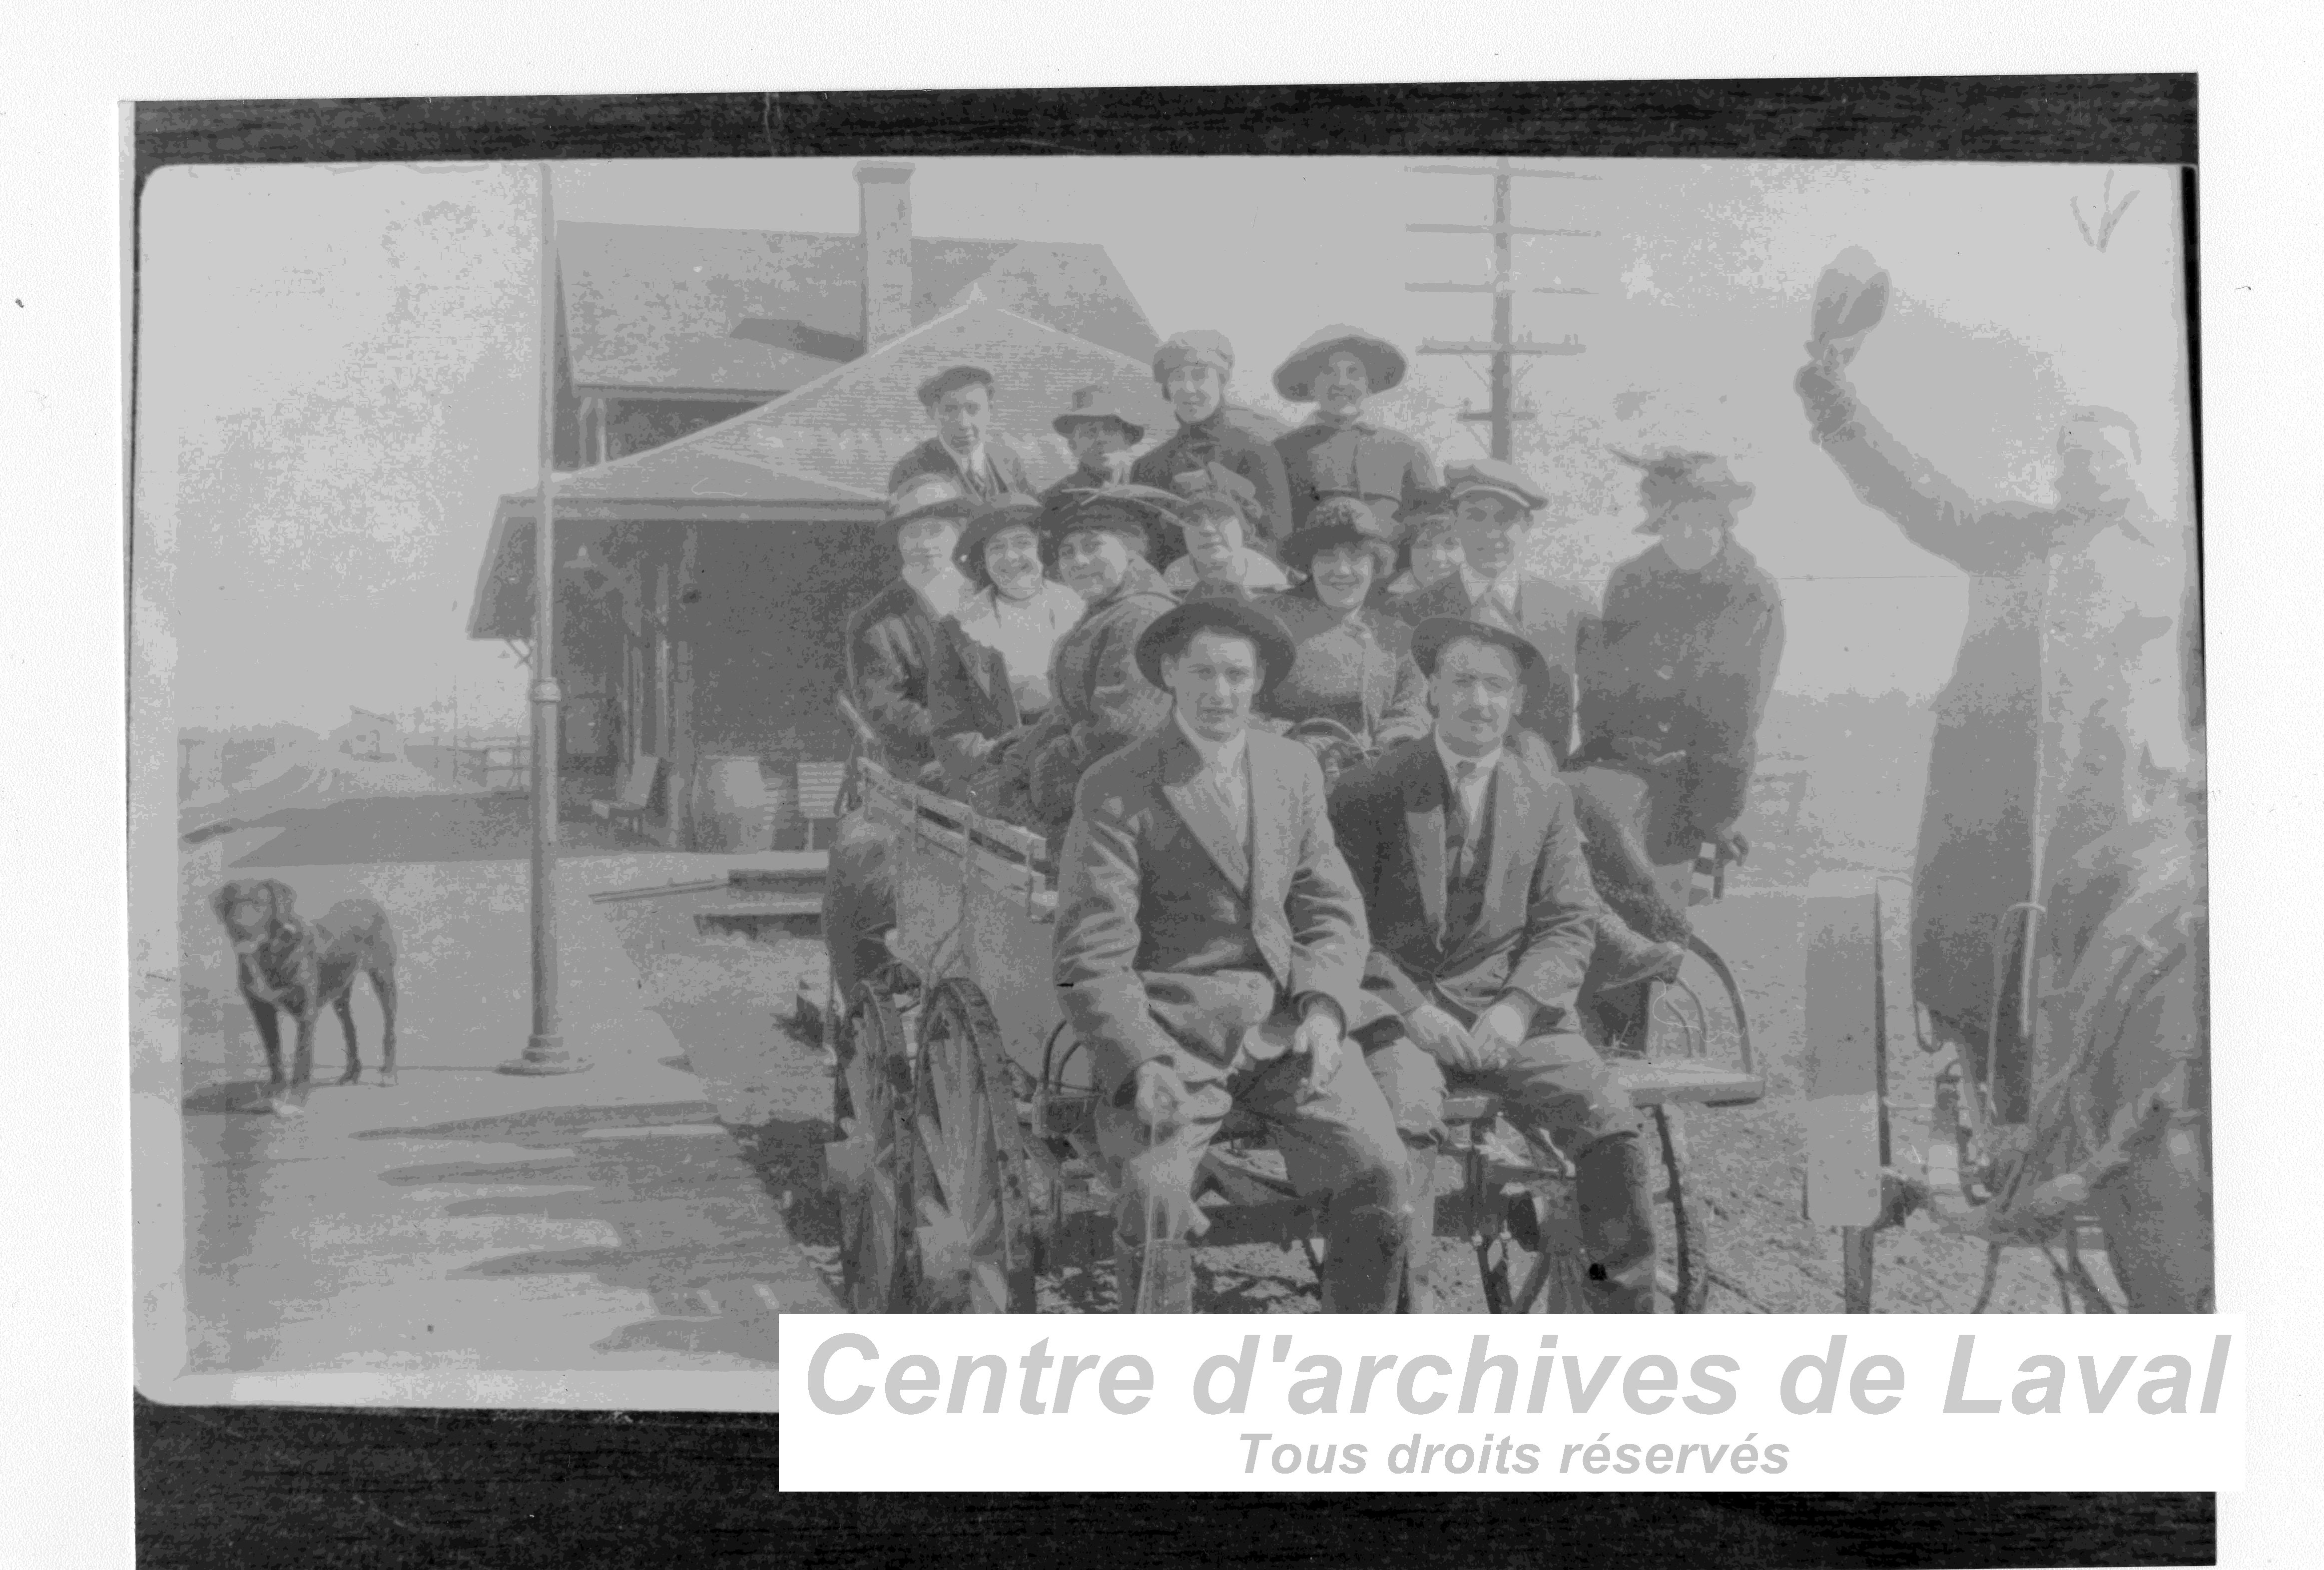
[545, 1055]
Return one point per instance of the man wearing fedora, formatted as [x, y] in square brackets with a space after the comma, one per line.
[1101, 433]
[959, 398]
[893, 641]
[1466, 850]
[1192, 369]
[1338, 452]
[1676, 669]
[1210, 952]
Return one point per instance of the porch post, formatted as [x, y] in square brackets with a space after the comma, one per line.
[544, 1049]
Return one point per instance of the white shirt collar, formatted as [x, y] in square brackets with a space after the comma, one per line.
[1223, 756]
[1502, 588]
[967, 462]
[1452, 759]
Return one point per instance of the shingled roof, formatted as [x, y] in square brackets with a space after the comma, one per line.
[747, 312]
[824, 451]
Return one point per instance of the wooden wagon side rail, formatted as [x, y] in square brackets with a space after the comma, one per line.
[1004, 854]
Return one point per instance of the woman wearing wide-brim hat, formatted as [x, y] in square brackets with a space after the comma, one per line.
[1677, 669]
[1001, 638]
[1354, 666]
[1339, 451]
[1099, 698]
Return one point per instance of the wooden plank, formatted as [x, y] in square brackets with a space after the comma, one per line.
[1659, 1084]
[1840, 1116]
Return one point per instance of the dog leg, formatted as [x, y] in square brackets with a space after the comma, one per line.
[345, 1007]
[383, 982]
[302, 1063]
[269, 1032]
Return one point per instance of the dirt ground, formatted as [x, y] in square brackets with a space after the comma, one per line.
[731, 1000]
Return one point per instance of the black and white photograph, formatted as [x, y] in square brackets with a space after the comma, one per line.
[886, 725]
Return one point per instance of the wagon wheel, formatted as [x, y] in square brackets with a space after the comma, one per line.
[1684, 1224]
[975, 1235]
[875, 1269]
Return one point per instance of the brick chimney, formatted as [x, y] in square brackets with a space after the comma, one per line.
[887, 251]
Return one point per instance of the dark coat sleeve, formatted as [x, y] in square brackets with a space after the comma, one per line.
[1739, 671]
[1262, 466]
[1561, 916]
[970, 704]
[1100, 878]
[1406, 718]
[1123, 707]
[888, 670]
[1366, 811]
[1422, 478]
[1330, 935]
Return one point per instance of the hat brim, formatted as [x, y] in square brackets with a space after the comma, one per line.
[1064, 423]
[1384, 366]
[958, 509]
[978, 532]
[1530, 502]
[1242, 618]
[1306, 544]
[1433, 636]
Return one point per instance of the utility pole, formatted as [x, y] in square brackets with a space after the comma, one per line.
[1501, 346]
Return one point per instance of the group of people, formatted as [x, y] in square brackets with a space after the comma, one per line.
[1301, 728]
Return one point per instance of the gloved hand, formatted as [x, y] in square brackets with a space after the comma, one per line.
[1826, 395]
[1733, 845]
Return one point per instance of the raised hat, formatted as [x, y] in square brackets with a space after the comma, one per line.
[1435, 634]
[1494, 475]
[1383, 361]
[951, 377]
[1217, 479]
[1120, 508]
[1175, 627]
[926, 496]
[1003, 512]
[1201, 347]
[1097, 403]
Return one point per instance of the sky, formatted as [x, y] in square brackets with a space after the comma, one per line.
[337, 366]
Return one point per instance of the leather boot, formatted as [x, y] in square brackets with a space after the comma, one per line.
[1168, 1279]
[1624, 958]
[1612, 1192]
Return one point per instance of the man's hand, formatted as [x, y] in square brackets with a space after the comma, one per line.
[1319, 1038]
[1441, 1037]
[1733, 845]
[1160, 1098]
[1498, 1029]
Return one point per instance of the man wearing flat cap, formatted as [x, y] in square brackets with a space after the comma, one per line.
[1192, 369]
[1338, 452]
[1210, 953]
[1465, 847]
[1100, 429]
[959, 398]
[1676, 669]
[1494, 507]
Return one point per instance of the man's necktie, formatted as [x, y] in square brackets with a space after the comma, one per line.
[1460, 828]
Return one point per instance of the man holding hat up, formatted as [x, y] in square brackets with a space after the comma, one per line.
[1338, 452]
[1101, 433]
[1676, 672]
[1210, 952]
[1465, 847]
[1494, 505]
[959, 398]
[1193, 368]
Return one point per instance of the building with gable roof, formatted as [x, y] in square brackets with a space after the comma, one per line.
[706, 581]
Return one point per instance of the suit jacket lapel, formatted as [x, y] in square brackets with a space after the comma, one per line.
[1270, 827]
[1424, 836]
[1203, 817]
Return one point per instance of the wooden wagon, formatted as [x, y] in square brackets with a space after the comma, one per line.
[968, 1165]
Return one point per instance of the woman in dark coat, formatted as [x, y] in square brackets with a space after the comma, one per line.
[996, 678]
[1354, 663]
[1099, 698]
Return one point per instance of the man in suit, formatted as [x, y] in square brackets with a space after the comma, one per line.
[1483, 921]
[959, 398]
[1210, 953]
[1193, 368]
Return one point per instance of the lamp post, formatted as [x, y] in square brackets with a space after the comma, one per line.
[544, 1049]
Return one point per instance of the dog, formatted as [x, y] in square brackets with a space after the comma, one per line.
[286, 964]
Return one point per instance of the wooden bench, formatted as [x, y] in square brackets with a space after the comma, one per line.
[819, 785]
[629, 809]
